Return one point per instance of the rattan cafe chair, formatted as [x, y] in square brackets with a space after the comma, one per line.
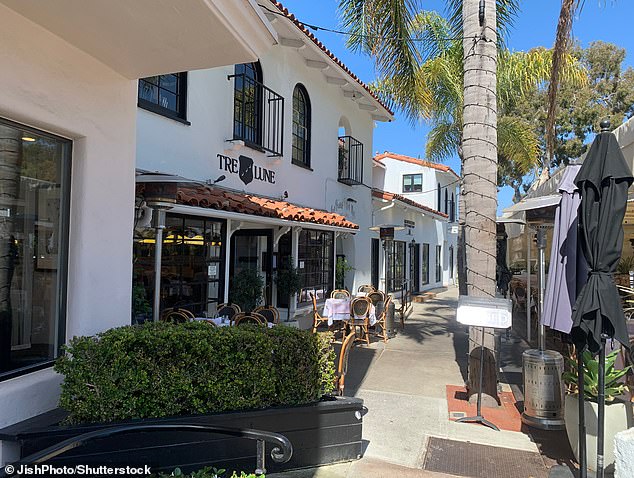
[366, 288]
[243, 318]
[340, 294]
[317, 318]
[270, 313]
[228, 310]
[174, 316]
[342, 363]
[360, 310]
[376, 296]
[381, 312]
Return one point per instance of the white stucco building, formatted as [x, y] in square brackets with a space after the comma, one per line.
[420, 197]
[68, 113]
[278, 159]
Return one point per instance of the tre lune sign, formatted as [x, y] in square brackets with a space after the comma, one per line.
[246, 169]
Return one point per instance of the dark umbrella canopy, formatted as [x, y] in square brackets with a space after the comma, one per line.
[603, 180]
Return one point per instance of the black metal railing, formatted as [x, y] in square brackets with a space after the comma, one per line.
[258, 115]
[281, 453]
[350, 161]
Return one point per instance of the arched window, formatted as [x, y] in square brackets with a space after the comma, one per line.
[439, 206]
[247, 103]
[446, 202]
[301, 126]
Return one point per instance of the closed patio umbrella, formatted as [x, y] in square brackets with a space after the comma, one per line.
[603, 180]
[568, 270]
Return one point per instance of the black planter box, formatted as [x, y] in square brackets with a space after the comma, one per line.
[321, 433]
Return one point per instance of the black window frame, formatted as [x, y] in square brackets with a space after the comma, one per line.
[438, 263]
[64, 248]
[180, 113]
[439, 199]
[415, 188]
[395, 271]
[253, 71]
[425, 264]
[310, 239]
[300, 92]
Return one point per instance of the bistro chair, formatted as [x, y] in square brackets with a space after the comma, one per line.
[340, 294]
[366, 288]
[242, 318]
[381, 312]
[317, 318]
[228, 310]
[342, 363]
[270, 313]
[175, 316]
[376, 297]
[360, 309]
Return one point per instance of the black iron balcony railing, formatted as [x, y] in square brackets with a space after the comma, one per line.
[350, 161]
[258, 115]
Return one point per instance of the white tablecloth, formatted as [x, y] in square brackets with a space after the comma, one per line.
[339, 309]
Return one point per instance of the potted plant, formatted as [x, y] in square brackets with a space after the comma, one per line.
[341, 269]
[618, 412]
[141, 308]
[623, 268]
[288, 283]
[246, 289]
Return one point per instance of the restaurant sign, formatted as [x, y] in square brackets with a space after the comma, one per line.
[246, 169]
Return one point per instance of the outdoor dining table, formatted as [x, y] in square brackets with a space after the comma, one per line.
[223, 321]
[339, 309]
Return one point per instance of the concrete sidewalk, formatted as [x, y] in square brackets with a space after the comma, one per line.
[403, 385]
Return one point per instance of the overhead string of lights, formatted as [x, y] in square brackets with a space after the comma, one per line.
[364, 35]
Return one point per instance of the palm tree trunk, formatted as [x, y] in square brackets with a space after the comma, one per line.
[480, 177]
[10, 158]
[461, 261]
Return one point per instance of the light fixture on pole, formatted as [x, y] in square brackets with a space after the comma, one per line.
[160, 195]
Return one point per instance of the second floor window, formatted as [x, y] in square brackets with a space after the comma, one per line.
[301, 127]
[412, 183]
[247, 103]
[164, 94]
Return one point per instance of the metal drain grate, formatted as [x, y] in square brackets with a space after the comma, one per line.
[482, 461]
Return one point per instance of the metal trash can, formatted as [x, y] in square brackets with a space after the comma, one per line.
[543, 389]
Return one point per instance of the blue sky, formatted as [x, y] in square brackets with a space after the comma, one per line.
[607, 20]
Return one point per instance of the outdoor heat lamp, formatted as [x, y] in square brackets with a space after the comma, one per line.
[386, 231]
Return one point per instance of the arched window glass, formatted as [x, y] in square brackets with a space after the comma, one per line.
[247, 103]
[446, 202]
[301, 126]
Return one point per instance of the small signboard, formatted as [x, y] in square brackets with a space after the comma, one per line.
[485, 312]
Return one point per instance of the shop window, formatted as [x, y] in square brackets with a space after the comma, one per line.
[395, 261]
[316, 262]
[165, 95]
[35, 178]
[192, 268]
[425, 264]
[439, 199]
[438, 263]
[412, 183]
[301, 127]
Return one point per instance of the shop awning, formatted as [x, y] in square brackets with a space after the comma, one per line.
[224, 200]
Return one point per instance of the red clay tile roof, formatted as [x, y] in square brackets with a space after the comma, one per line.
[378, 193]
[420, 162]
[323, 48]
[225, 200]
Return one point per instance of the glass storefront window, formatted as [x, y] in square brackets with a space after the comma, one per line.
[425, 264]
[316, 262]
[438, 263]
[192, 267]
[34, 206]
[395, 262]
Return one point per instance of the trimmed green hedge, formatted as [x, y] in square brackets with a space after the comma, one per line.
[159, 370]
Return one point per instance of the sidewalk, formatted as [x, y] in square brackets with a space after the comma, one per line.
[403, 385]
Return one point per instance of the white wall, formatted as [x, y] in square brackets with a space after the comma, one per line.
[393, 182]
[48, 84]
[190, 150]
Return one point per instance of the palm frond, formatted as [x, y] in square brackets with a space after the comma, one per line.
[518, 145]
[443, 141]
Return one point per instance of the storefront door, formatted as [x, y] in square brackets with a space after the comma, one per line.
[251, 249]
[414, 267]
